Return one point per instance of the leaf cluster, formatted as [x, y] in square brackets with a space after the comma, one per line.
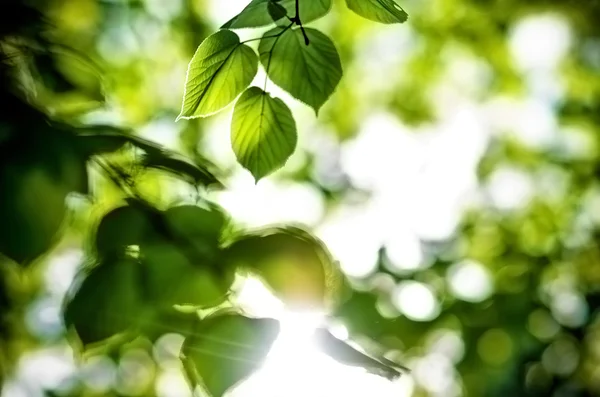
[302, 61]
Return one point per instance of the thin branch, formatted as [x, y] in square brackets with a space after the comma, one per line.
[271, 54]
[297, 21]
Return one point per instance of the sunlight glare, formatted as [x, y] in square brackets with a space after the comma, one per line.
[295, 367]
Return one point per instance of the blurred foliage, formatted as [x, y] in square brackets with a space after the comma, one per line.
[82, 81]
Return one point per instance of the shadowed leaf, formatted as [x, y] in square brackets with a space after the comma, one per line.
[108, 301]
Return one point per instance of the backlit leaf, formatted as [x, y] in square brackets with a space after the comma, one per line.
[219, 71]
[294, 264]
[345, 354]
[310, 73]
[258, 13]
[384, 11]
[263, 132]
[226, 349]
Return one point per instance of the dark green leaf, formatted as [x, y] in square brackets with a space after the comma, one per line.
[220, 70]
[309, 73]
[263, 132]
[49, 73]
[103, 139]
[171, 278]
[122, 227]
[197, 174]
[384, 11]
[226, 349]
[276, 11]
[257, 13]
[32, 209]
[107, 303]
[197, 227]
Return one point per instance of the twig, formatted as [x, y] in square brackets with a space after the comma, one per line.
[297, 21]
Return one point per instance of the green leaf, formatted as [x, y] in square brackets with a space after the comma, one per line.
[309, 73]
[263, 132]
[384, 11]
[37, 172]
[32, 209]
[107, 303]
[293, 263]
[219, 71]
[226, 349]
[171, 278]
[124, 226]
[347, 355]
[197, 174]
[104, 139]
[49, 73]
[197, 228]
[258, 13]
[276, 11]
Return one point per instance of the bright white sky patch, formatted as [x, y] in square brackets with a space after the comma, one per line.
[470, 281]
[416, 301]
[539, 42]
[510, 188]
[271, 201]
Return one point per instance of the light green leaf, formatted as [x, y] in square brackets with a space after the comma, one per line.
[310, 73]
[384, 11]
[226, 349]
[309, 10]
[263, 132]
[256, 14]
[219, 71]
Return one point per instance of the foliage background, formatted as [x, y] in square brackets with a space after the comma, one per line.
[453, 174]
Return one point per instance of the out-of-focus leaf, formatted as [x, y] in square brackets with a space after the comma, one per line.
[383, 11]
[197, 227]
[124, 226]
[197, 174]
[220, 70]
[103, 139]
[263, 132]
[342, 352]
[167, 321]
[257, 13]
[37, 172]
[226, 349]
[108, 301]
[295, 265]
[310, 73]
[49, 74]
[171, 278]
[32, 210]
